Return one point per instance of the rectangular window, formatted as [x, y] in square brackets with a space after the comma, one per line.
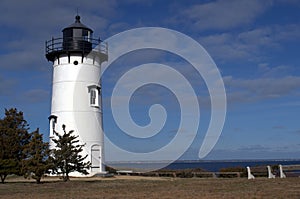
[77, 33]
[68, 33]
[94, 95]
[52, 123]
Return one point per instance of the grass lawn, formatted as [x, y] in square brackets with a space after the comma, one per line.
[151, 187]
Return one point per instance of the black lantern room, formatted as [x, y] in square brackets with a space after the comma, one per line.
[77, 39]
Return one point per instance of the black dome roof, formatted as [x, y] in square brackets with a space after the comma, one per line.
[77, 25]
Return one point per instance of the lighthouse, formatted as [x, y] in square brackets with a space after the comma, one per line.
[76, 90]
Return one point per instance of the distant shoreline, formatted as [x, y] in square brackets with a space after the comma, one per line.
[202, 161]
[207, 165]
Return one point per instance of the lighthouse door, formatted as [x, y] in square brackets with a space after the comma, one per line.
[96, 158]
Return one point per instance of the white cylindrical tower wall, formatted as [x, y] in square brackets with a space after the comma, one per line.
[76, 90]
[75, 104]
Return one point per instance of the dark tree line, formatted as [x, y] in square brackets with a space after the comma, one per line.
[37, 161]
[25, 153]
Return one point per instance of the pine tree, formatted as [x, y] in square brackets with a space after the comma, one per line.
[37, 161]
[66, 156]
[13, 138]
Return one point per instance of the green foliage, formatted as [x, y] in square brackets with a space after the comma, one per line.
[7, 166]
[37, 161]
[234, 169]
[66, 156]
[14, 137]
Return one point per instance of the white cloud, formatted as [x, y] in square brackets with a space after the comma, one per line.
[36, 96]
[277, 71]
[23, 61]
[20, 14]
[251, 45]
[222, 15]
[279, 127]
[253, 90]
[115, 28]
[28, 24]
[6, 86]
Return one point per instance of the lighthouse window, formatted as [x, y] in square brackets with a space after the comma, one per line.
[94, 92]
[77, 33]
[52, 121]
[68, 33]
[85, 35]
[93, 97]
[90, 36]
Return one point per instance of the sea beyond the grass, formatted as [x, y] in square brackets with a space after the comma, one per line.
[207, 165]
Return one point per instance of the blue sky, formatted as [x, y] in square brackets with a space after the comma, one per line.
[255, 45]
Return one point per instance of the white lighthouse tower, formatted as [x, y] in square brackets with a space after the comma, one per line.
[76, 89]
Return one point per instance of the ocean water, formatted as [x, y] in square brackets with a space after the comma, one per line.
[213, 166]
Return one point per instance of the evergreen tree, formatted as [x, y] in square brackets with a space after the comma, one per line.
[13, 138]
[66, 156]
[37, 162]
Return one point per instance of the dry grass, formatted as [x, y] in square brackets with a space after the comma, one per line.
[152, 187]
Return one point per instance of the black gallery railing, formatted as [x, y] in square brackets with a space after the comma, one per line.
[75, 44]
